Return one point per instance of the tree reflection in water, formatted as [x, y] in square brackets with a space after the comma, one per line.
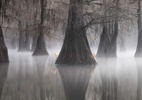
[75, 80]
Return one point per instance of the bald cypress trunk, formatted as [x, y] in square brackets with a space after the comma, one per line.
[40, 46]
[3, 75]
[107, 46]
[3, 48]
[35, 37]
[108, 39]
[24, 39]
[139, 22]
[21, 38]
[122, 44]
[75, 49]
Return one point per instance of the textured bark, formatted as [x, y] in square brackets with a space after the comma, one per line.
[122, 43]
[122, 46]
[40, 46]
[13, 43]
[75, 80]
[3, 75]
[107, 47]
[139, 45]
[3, 48]
[108, 39]
[27, 41]
[75, 49]
[35, 36]
[24, 39]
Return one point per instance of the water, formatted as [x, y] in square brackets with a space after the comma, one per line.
[38, 78]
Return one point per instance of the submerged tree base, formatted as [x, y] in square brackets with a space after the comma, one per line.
[3, 48]
[40, 49]
[107, 47]
[39, 52]
[3, 75]
[21, 50]
[138, 55]
[4, 54]
[75, 50]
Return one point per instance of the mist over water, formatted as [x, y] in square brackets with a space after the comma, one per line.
[38, 78]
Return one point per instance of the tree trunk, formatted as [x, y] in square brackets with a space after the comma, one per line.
[3, 48]
[27, 41]
[24, 39]
[3, 75]
[13, 43]
[108, 39]
[107, 47]
[139, 45]
[122, 44]
[35, 36]
[21, 37]
[75, 80]
[40, 46]
[75, 49]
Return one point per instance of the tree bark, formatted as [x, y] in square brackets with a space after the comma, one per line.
[14, 43]
[75, 49]
[24, 39]
[40, 46]
[3, 48]
[107, 46]
[27, 41]
[3, 75]
[139, 45]
[108, 39]
[122, 44]
[35, 36]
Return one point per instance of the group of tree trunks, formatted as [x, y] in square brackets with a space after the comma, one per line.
[76, 49]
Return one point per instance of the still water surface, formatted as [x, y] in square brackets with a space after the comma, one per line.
[38, 78]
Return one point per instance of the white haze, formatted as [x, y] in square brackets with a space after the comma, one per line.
[27, 75]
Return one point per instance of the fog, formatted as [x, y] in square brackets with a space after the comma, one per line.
[36, 78]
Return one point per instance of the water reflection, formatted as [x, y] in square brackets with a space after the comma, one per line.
[38, 78]
[127, 78]
[139, 73]
[32, 78]
[107, 69]
[40, 64]
[75, 80]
